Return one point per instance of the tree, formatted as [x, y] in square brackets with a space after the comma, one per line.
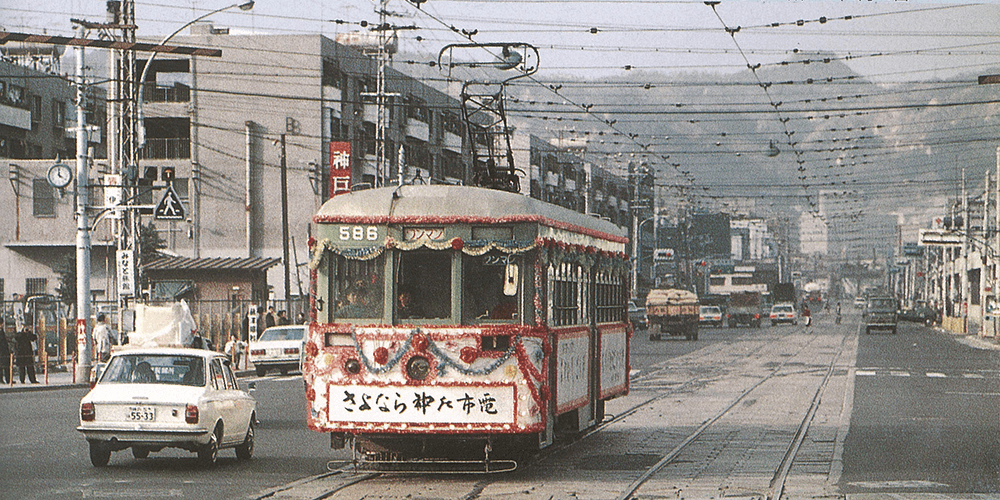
[67, 280]
[150, 242]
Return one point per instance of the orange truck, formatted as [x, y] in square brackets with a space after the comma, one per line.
[672, 312]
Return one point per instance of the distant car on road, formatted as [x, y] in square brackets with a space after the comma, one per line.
[637, 315]
[148, 399]
[920, 313]
[881, 313]
[278, 348]
[783, 313]
[710, 315]
[859, 301]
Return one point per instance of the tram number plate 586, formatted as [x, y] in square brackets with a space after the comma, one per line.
[358, 233]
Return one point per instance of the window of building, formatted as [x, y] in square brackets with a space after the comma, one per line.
[717, 281]
[332, 76]
[43, 198]
[58, 114]
[167, 138]
[416, 108]
[451, 123]
[423, 285]
[36, 286]
[12, 94]
[36, 112]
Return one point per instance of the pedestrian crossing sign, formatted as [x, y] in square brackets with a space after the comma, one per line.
[170, 207]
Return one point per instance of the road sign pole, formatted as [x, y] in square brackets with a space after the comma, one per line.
[84, 347]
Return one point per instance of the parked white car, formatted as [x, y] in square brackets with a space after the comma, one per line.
[279, 347]
[155, 398]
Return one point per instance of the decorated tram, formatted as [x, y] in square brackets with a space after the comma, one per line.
[452, 322]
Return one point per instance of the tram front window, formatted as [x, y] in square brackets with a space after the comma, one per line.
[423, 285]
[359, 288]
[483, 296]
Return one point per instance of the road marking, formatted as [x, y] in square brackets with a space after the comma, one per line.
[973, 375]
[936, 375]
[991, 394]
[899, 374]
[897, 484]
[865, 373]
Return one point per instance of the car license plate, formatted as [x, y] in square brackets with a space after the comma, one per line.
[141, 413]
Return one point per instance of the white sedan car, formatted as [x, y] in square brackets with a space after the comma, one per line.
[279, 347]
[150, 399]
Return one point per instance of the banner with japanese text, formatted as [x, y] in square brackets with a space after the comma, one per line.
[340, 168]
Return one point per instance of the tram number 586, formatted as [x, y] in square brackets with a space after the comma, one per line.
[358, 233]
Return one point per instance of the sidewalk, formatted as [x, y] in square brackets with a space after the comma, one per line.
[64, 380]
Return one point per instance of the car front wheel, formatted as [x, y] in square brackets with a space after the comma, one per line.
[100, 454]
[245, 451]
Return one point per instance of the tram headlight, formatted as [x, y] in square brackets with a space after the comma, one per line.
[352, 366]
[418, 368]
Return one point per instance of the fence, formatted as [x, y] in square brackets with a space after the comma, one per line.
[216, 321]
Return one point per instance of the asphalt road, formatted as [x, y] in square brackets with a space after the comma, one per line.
[44, 457]
[925, 416]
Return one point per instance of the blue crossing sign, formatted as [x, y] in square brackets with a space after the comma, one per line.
[170, 207]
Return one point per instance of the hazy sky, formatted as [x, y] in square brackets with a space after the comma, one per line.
[886, 40]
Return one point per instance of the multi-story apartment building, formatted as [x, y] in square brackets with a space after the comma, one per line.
[37, 127]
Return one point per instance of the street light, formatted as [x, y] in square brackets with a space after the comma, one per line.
[149, 62]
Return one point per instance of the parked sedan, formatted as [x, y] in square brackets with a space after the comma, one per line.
[710, 315]
[637, 315]
[150, 399]
[278, 348]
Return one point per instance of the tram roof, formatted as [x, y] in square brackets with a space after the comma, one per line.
[447, 204]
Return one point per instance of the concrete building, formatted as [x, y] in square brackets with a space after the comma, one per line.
[37, 126]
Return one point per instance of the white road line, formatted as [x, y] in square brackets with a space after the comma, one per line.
[865, 373]
[973, 375]
[899, 374]
[936, 375]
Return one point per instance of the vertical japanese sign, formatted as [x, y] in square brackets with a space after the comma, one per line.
[340, 168]
[125, 263]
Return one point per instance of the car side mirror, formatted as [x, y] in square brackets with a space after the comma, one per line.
[252, 387]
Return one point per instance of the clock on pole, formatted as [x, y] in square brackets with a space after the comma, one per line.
[59, 175]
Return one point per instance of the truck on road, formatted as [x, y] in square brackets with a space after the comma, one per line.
[744, 309]
[672, 312]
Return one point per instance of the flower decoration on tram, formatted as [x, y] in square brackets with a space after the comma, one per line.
[311, 349]
[381, 355]
[420, 342]
[469, 354]
[310, 393]
[544, 392]
[311, 242]
[457, 243]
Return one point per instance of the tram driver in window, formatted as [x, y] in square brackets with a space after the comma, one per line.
[406, 308]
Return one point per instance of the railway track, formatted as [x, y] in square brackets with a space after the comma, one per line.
[735, 418]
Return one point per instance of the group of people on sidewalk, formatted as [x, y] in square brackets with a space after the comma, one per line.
[23, 350]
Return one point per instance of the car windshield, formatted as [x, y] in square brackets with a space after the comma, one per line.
[283, 334]
[155, 369]
[882, 304]
[783, 309]
[709, 309]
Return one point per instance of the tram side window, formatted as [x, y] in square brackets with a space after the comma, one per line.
[423, 285]
[360, 293]
[566, 291]
[483, 296]
[609, 297]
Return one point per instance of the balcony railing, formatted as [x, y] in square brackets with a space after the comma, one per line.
[167, 148]
[178, 93]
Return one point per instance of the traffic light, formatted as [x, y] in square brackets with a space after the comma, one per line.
[167, 174]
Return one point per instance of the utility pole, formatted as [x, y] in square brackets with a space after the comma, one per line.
[284, 223]
[84, 339]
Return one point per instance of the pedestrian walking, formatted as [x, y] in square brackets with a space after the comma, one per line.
[6, 377]
[283, 317]
[24, 353]
[806, 314]
[234, 349]
[104, 336]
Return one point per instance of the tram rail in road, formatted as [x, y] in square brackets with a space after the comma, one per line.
[767, 368]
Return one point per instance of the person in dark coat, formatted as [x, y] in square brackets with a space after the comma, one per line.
[6, 376]
[25, 354]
